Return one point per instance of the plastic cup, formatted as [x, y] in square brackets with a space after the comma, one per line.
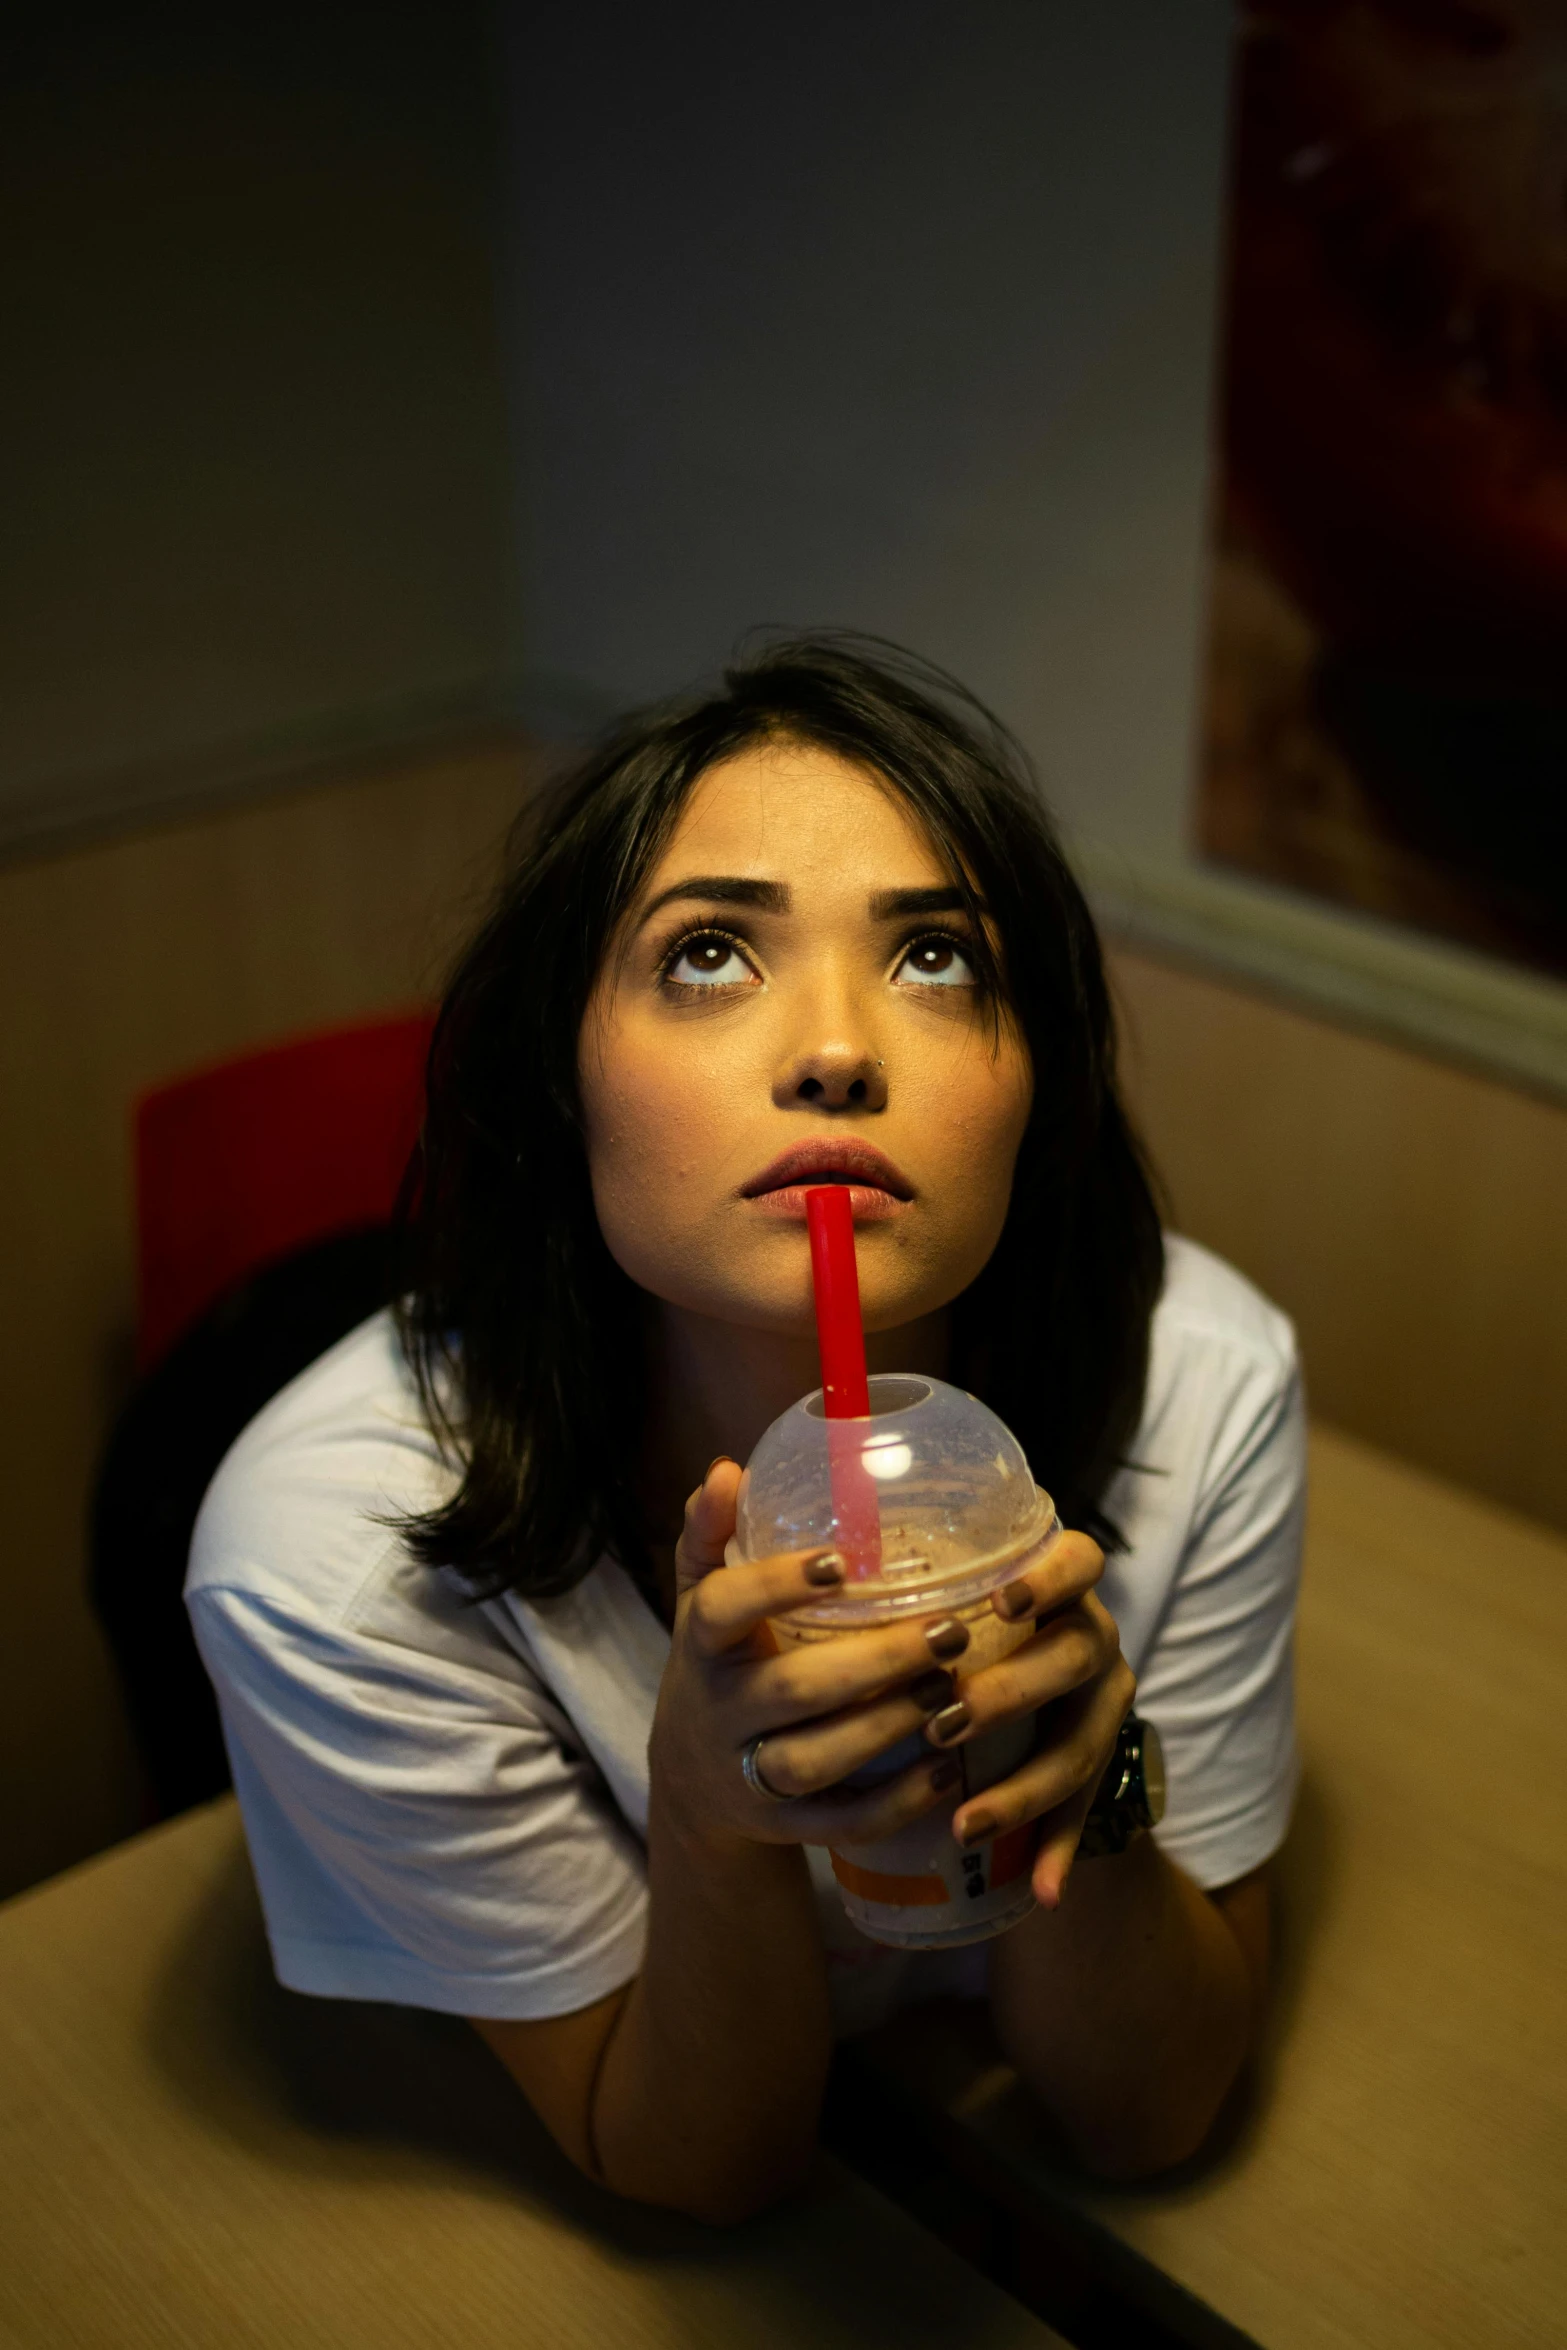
[959, 1515]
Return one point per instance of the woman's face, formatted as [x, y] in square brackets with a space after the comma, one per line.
[795, 1005]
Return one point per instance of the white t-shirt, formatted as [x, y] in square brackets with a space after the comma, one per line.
[446, 1801]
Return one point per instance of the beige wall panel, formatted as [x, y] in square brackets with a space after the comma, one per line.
[1410, 1216]
[122, 965]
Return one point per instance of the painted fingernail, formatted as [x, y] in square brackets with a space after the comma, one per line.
[946, 1638]
[950, 1723]
[1014, 1600]
[946, 1774]
[977, 1827]
[931, 1690]
[827, 1569]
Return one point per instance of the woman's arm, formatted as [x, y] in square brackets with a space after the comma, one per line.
[1129, 2008]
[1127, 2000]
[698, 2086]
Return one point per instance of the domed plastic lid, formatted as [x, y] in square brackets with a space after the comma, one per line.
[953, 1489]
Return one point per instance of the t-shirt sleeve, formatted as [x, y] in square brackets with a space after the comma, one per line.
[425, 1829]
[1218, 1682]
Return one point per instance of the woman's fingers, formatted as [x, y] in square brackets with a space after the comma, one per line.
[1078, 1737]
[1069, 1649]
[728, 1604]
[816, 1677]
[828, 1749]
[802, 1683]
[1070, 1567]
[710, 1520]
[723, 1605]
[1060, 1832]
[848, 1816]
[809, 1749]
[826, 1708]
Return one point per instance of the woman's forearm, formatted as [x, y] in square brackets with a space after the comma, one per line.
[710, 2084]
[1127, 2010]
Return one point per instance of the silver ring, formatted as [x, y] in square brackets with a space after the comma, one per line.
[751, 1773]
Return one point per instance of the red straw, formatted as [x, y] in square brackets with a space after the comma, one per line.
[840, 1335]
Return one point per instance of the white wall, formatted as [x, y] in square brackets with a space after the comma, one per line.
[885, 312]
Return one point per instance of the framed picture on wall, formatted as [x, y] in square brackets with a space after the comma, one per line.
[1385, 702]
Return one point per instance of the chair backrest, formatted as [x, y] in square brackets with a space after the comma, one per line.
[240, 1165]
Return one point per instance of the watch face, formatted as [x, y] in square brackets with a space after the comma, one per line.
[1153, 1772]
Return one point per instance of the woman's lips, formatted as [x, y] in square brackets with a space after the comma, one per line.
[868, 1203]
[877, 1189]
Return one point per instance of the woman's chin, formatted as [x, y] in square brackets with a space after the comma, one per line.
[762, 1287]
[790, 1323]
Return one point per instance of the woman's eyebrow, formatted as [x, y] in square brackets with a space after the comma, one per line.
[724, 889]
[773, 897]
[887, 905]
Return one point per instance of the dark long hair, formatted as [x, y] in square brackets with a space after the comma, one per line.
[527, 1340]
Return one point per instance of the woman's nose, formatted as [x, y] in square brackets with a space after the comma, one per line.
[834, 1074]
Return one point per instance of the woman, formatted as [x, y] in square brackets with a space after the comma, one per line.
[487, 1699]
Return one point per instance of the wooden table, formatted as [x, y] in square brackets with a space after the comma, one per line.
[1399, 2180]
[191, 2158]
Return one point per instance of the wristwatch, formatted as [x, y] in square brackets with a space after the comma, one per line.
[1131, 1793]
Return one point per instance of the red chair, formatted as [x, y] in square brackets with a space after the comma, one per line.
[240, 1165]
[264, 1189]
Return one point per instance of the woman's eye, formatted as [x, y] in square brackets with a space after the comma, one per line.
[709, 961]
[937, 962]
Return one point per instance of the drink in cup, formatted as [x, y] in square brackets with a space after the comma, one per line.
[927, 1497]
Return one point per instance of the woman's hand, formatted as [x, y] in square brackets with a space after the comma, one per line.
[822, 1710]
[1073, 1669]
